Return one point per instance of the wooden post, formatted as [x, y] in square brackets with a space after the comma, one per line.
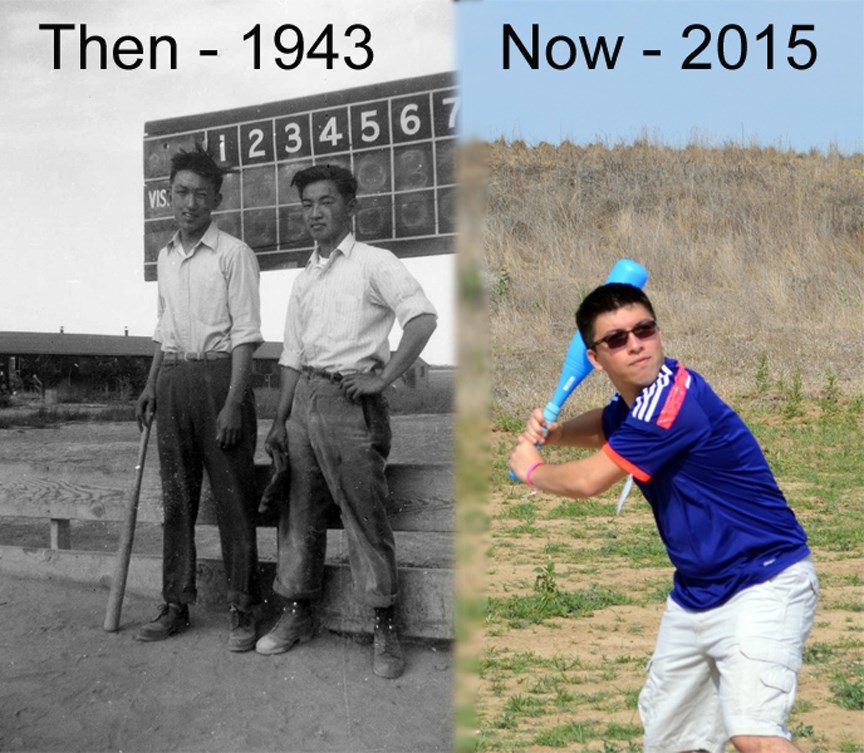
[61, 534]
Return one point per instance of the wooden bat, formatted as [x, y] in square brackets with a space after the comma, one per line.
[127, 536]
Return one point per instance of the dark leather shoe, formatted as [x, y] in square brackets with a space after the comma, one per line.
[172, 618]
[294, 626]
[387, 658]
[242, 637]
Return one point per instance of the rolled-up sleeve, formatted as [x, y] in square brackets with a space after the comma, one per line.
[393, 286]
[244, 299]
[160, 310]
[292, 348]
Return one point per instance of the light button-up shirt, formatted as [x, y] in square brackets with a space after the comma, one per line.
[208, 298]
[340, 313]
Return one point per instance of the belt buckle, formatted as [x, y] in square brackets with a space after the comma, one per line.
[193, 357]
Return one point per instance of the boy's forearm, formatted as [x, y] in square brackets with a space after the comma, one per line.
[155, 366]
[415, 335]
[585, 430]
[241, 371]
[287, 386]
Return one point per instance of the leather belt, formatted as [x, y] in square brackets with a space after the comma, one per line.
[208, 355]
[330, 376]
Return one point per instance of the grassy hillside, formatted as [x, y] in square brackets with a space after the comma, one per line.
[756, 259]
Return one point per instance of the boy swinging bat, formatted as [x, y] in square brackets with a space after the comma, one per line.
[744, 591]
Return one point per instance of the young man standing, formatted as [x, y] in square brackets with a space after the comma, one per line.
[332, 419]
[744, 594]
[199, 389]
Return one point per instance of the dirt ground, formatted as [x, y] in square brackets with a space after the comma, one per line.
[599, 660]
[67, 685]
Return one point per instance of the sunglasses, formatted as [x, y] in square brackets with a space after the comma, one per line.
[620, 337]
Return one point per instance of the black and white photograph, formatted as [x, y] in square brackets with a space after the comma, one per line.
[227, 376]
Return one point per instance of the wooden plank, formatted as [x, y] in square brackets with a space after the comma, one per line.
[145, 573]
[32, 490]
[421, 497]
[426, 603]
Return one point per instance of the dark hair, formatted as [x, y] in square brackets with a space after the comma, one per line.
[602, 300]
[346, 183]
[199, 162]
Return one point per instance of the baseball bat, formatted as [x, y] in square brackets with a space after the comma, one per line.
[576, 364]
[127, 536]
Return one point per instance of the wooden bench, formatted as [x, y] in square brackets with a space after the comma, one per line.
[421, 510]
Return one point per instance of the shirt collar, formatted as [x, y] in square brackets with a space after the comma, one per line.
[345, 247]
[209, 239]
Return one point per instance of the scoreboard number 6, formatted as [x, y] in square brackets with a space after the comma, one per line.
[409, 121]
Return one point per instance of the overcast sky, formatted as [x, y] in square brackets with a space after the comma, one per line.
[72, 167]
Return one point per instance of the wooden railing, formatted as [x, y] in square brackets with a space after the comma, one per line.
[421, 512]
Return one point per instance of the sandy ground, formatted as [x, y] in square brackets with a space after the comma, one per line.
[67, 685]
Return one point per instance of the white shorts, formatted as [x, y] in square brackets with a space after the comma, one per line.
[732, 670]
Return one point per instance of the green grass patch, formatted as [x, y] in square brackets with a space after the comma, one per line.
[537, 607]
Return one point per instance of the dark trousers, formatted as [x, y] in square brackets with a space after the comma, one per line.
[189, 396]
[338, 449]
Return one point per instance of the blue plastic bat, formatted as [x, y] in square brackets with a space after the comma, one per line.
[576, 364]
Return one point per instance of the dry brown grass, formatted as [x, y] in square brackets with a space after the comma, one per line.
[753, 253]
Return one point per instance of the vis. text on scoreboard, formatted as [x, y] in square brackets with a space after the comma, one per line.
[398, 138]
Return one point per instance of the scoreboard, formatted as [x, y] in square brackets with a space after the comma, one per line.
[398, 138]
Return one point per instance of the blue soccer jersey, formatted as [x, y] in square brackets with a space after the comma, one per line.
[720, 513]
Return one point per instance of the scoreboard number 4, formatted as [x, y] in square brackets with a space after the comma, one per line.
[289, 40]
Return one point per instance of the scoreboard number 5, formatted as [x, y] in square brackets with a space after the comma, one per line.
[367, 121]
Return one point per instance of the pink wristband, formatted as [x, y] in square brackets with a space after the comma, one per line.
[530, 471]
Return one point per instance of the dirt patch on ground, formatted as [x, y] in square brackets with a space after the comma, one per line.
[67, 685]
[582, 673]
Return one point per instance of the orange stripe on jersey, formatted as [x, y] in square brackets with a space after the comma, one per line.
[625, 465]
[673, 402]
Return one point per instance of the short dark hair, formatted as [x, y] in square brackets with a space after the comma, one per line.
[602, 300]
[199, 162]
[346, 183]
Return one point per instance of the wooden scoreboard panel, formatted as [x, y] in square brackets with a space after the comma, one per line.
[398, 138]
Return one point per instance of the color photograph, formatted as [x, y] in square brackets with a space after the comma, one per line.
[672, 196]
